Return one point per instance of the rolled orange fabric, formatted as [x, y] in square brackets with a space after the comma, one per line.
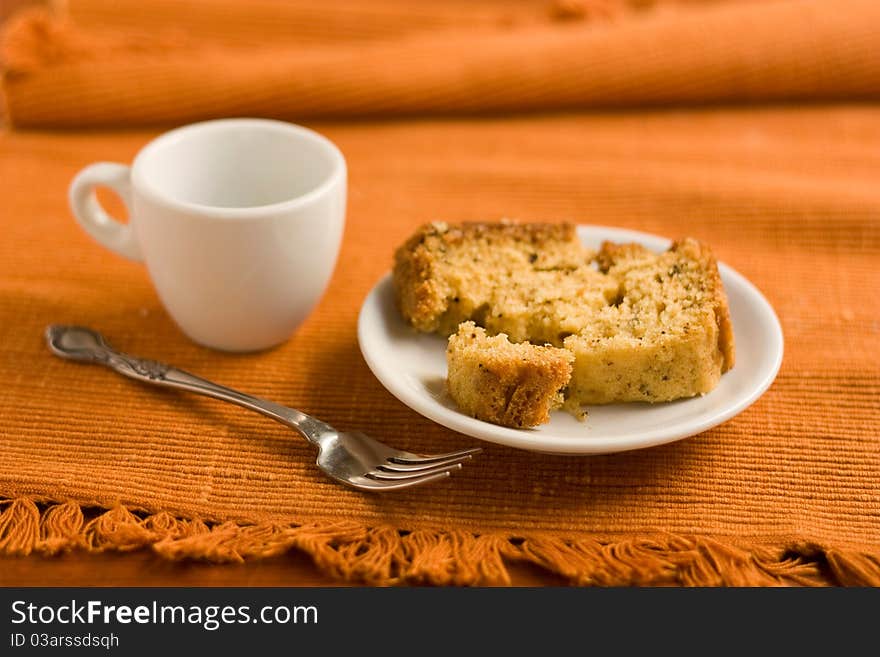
[59, 75]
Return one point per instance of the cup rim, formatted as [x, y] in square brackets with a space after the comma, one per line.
[143, 186]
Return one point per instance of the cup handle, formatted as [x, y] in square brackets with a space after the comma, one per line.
[93, 218]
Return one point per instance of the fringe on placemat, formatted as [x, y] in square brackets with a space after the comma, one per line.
[384, 555]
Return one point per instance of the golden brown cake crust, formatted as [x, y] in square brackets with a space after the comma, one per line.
[702, 254]
[515, 385]
[420, 293]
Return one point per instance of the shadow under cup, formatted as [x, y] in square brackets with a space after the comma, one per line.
[239, 222]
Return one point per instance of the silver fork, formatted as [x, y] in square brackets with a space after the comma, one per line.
[353, 458]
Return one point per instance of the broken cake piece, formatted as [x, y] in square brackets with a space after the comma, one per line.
[495, 380]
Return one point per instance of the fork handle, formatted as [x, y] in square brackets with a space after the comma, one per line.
[85, 345]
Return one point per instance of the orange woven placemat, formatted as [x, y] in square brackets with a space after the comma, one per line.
[785, 493]
[789, 487]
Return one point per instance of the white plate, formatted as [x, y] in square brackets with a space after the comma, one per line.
[412, 366]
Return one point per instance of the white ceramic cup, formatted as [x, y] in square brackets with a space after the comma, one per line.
[239, 222]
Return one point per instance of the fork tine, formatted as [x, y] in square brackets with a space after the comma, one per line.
[412, 459]
[364, 483]
[386, 475]
[390, 466]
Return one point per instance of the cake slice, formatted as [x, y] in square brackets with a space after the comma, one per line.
[495, 380]
[640, 326]
[668, 336]
[530, 281]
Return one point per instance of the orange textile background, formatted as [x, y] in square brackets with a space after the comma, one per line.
[102, 63]
[788, 492]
